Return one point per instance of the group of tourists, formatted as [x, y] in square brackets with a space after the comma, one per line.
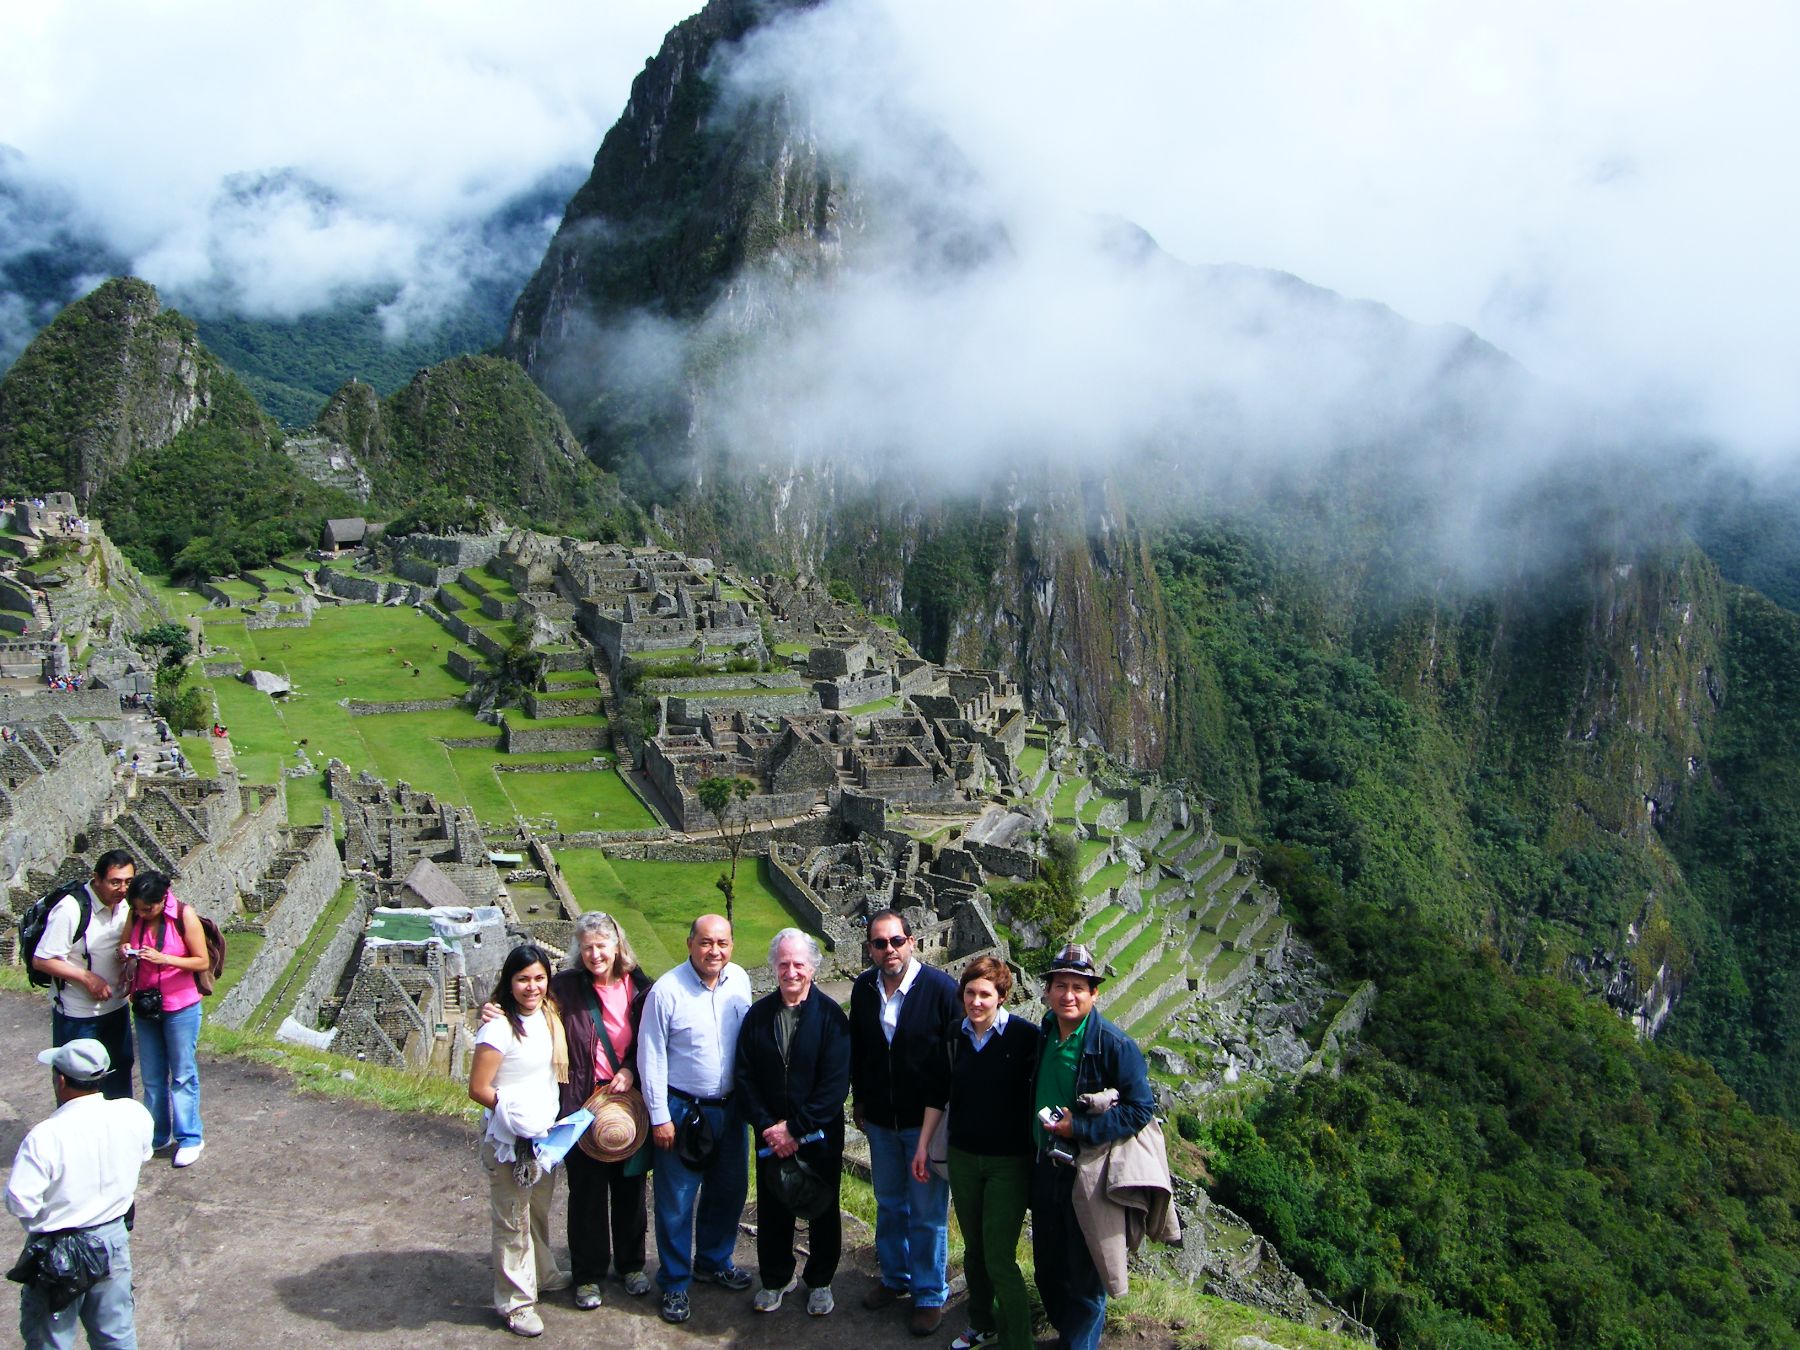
[962, 1102]
[66, 684]
[652, 1098]
[124, 958]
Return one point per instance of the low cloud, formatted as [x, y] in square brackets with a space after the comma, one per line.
[273, 160]
[1598, 194]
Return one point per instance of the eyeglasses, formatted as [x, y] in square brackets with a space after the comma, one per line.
[896, 942]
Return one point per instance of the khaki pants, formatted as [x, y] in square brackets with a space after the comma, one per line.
[523, 1261]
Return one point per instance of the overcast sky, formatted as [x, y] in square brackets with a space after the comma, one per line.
[1608, 191]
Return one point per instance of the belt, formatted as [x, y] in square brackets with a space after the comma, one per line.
[700, 1101]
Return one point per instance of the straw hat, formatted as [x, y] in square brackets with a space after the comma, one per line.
[621, 1124]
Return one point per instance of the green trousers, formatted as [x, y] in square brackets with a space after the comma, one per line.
[990, 1195]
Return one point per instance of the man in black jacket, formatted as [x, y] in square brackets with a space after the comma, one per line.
[793, 1073]
[902, 1014]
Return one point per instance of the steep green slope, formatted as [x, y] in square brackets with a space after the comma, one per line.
[477, 426]
[1506, 1164]
[1738, 839]
[118, 401]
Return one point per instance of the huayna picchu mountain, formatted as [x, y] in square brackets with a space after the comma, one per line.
[476, 426]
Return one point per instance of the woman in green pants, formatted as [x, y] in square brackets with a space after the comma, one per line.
[992, 1060]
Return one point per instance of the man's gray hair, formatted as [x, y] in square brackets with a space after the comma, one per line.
[798, 937]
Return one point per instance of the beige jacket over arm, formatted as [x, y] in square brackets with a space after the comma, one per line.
[1123, 1193]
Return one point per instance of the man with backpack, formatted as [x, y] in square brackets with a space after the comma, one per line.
[79, 952]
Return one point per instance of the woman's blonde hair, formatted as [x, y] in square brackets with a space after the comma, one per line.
[595, 921]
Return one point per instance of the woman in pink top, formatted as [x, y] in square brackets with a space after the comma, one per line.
[164, 945]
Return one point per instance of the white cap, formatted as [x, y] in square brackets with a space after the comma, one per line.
[80, 1061]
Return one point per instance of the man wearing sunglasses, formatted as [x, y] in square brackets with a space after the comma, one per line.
[902, 1014]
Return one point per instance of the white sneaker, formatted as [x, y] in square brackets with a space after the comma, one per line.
[819, 1302]
[188, 1154]
[524, 1322]
[768, 1300]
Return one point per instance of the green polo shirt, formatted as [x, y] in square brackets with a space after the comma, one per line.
[1056, 1076]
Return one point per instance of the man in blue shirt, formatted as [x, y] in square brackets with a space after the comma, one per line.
[687, 1045]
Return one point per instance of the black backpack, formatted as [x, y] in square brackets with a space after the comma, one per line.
[35, 919]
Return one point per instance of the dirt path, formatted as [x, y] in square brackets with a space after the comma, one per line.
[314, 1222]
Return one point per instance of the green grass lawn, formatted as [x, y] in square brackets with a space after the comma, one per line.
[237, 589]
[563, 692]
[577, 801]
[1113, 874]
[657, 901]
[516, 717]
[198, 747]
[1140, 944]
[875, 706]
[1091, 849]
[1063, 808]
[495, 584]
[1030, 761]
[564, 678]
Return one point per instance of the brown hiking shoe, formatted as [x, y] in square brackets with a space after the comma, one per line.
[882, 1296]
[925, 1320]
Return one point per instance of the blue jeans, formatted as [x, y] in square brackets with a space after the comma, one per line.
[1069, 1283]
[113, 1030]
[701, 1236]
[170, 1075]
[912, 1218]
[106, 1309]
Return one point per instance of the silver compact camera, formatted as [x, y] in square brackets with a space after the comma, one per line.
[1058, 1150]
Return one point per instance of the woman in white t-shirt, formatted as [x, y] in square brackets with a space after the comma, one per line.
[519, 1060]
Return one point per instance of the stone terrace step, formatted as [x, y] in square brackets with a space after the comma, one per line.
[1151, 1023]
[1122, 935]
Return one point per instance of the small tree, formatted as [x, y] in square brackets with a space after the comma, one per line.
[518, 668]
[167, 643]
[719, 795]
[170, 646]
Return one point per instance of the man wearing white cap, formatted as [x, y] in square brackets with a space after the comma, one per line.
[73, 1183]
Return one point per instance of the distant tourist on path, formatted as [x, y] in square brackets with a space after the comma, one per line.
[603, 987]
[686, 1051]
[520, 1058]
[73, 1183]
[87, 988]
[993, 1060]
[793, 1074]
[164, 949]
[1083, 1055]
[902, 1013]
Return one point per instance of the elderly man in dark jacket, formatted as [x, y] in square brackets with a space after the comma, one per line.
[1084, 1054]
[793, 1073]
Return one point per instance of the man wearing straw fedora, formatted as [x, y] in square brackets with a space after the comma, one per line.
[1086, 1059]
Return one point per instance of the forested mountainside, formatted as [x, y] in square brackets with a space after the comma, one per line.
[476, 426]
[118, 401]
[1521, 784]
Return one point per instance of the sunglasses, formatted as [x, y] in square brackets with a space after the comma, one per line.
[898, 941]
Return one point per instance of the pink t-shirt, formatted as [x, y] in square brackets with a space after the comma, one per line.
[615, 1016]
[178, 988]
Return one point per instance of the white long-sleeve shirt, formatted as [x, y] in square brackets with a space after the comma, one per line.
[79, 1167]
[688, 1039]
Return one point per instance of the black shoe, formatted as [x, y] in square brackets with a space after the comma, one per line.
[675, 1306]
[729, 1276]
